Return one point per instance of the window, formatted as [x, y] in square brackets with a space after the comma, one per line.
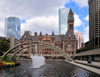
[71, 26]
[69, 38]
[46, 35]
[21, 46]
[65, 47]
[72, 47]
[24, 39]
[52, 40]
[27, 47]
[58, 41]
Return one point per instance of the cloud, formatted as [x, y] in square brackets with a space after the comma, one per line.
[81, 3]
[43, 24]
[86, 18]
[30, 8]
[2, 32]
[86, 34]
[75, 30]
[78, 21]
[25, 9]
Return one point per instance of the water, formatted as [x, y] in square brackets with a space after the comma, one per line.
[50, 69]
[37, 61]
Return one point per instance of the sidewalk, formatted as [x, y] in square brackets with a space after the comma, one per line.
[94, 64]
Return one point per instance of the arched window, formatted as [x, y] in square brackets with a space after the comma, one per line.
[21, 46]
[73, 47]
[65, 47]
[58, 41]
[69, 38]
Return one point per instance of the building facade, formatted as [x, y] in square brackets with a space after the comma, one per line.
[67, 42]
[63, 18]
[80, 39]
[94, 23]
[12, 27]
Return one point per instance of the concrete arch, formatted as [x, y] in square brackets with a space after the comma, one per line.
[38, 42]
[38, 46]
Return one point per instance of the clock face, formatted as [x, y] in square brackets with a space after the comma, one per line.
[71, 17]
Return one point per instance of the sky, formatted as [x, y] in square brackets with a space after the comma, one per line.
[43, 15]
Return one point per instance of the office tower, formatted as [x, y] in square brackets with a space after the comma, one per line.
[63, 18]
[80, 39]
[94, 23]
[12, 27]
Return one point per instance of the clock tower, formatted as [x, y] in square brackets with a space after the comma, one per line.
[71, 21]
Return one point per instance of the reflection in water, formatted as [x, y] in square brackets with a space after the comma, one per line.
[50, 69]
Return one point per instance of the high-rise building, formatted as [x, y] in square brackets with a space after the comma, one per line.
[80, 39]
[94, 23]
[12, 27]
[63, 18]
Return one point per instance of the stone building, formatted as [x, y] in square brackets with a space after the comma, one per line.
[67, 42]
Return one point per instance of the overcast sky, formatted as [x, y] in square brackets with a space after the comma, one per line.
[42, 15]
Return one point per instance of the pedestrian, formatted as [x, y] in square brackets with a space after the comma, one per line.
[93, 59]
[89, 61]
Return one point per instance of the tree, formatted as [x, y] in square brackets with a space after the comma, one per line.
[4, 46]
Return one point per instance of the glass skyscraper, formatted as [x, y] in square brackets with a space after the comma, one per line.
[63, 18]
[12, 27]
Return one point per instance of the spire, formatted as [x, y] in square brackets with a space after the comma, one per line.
[40, 34]
[71, 12]
[52, 33]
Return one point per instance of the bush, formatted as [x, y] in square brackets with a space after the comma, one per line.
[83, 50]
[14, 58]
[11, 52]
[0, 57]
[5, 58]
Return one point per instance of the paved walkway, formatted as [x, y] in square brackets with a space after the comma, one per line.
[94, 64]
[92, 69]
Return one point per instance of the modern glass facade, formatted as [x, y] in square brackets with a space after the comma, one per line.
[63, 18]
[12, 27]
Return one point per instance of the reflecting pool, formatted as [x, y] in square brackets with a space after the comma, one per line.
[50, 69]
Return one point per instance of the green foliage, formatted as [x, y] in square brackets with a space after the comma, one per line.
[14, 58]
[97, 47]
[86, 49]
[4, 46]
[0, 57]
[5, 58]
[82, 50]
[11, 52]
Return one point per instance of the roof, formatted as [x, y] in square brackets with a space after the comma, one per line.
[71, 12]
[28, 36]
[57, 37]
[69, 32]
